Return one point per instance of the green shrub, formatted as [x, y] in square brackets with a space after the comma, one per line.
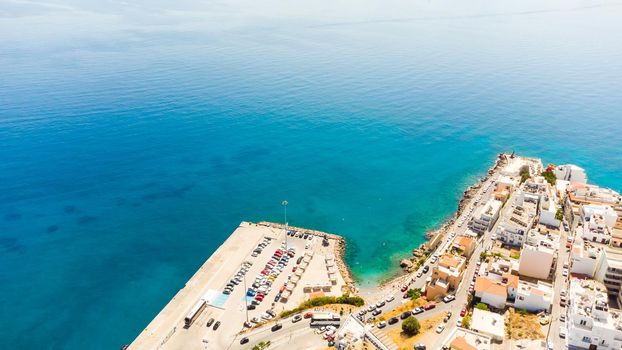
[414, 294]
[482, 306]
[321, 301]
[411, 326]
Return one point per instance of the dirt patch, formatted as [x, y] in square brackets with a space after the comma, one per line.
[519, 326]
[405, 342]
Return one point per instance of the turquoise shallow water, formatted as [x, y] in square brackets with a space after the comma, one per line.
[134, 138]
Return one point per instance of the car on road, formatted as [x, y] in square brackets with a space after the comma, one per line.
[463, 312]
[420, 346]
[382, 324]
[296, 318]
[417, 310]
[209, 322]
[459, 322]
[308, 315]
[244, 340]
[562, 332]
[426, 268]
[562, 318]
[405, 315]
[449, 298]
[216, 325]
[390, 298]
[440, 328]
[276, 327]
[393, 320]
[429, 306]
[565, 272]
[380, 304]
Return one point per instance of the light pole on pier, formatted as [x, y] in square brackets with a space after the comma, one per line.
[245, 297]
[284, 203]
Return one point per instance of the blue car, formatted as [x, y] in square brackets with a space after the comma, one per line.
[250, 292]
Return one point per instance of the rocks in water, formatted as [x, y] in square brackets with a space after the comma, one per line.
[406, 264]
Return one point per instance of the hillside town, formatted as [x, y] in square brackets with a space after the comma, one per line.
[532, 260]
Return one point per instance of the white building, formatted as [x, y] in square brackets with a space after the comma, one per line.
[608, 214]
[465, 339]
[534, 297]
[485, 216]
[594, 229]
[513, 230]
[585, 258]
[591, 325]
[537, 259]
[488, 323]
[571, 172]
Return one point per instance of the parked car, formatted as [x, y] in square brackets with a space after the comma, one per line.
[276, 327]
[426, 268]
[308, 315]
[440, 328]
[393, 320]
[209, 322]
[429, 306]
[296, 318]
[417, 310]
[562, 332]
[390, 298]
[244, 340]
[405, 315]
[382, 324]
[463, 312]
[376, 312]
[216, 325]
[420, 346]
[449, 298]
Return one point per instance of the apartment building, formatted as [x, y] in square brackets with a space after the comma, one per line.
[538, 256]
[591, 324]
[534, 297]
[446, 276]
[513, 228]
[485, 216]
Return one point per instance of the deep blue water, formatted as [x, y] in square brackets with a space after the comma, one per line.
[135, 137]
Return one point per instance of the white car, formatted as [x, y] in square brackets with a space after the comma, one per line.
[440, 328]
[459, 322]
[565, 272]
[390, 298]
[562, 292]
[449, 298]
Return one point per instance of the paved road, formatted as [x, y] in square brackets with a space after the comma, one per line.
[559, 282]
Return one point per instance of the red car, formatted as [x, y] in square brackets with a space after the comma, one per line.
[463, 312]
[259, 297]
[294, 269]
[429, 306]
[308, 315]
[405, 288]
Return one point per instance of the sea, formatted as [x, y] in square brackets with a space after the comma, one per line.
[136, 136]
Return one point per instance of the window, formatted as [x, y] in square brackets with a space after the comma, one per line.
[587, 340]
[583, 322]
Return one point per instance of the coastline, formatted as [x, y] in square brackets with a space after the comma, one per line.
[408, 263]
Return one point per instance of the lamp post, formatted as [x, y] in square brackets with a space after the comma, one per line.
[284, 203]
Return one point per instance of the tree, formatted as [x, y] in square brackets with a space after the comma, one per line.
[466, 322]
[549, 176]
[482, 306]
[524, 174]
[411, 326]
[559, 215]
[414, 294]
